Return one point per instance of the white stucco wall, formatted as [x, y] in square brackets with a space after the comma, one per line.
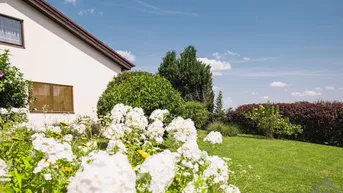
[54, 55]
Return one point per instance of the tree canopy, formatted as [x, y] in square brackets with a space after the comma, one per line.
[192, 78]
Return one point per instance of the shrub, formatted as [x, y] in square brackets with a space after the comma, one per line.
[140, 89]
[270, 122]
[197, 112]
[135, 158]
[13, 87]
[224, 129]
[322, 122]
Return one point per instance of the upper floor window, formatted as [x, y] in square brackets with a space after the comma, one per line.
[11, 30]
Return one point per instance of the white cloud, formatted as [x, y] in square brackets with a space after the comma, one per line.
[217, 55]
[232, 53]
[245, 59]
[306, 93]
[254, 93]
[318, 89]
[265, 97]
[148, 8]
[86, 12]
[127, 55]
[277, 84]
[73, 2]
[216, 65]
[330, 88]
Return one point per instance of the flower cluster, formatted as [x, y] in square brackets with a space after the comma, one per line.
[105, 174]
[214, 137]
[182, 130]
[3, 168]
[130, 154]
[53, 151]
[161, 168]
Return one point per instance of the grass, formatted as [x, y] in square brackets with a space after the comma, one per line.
[283, 165]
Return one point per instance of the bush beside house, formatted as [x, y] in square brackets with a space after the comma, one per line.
[140, 89]
[14, 89]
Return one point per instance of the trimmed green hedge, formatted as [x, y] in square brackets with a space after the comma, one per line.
[140, 89]
[322, 122]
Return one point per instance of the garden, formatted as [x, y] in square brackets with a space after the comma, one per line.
[166, 132]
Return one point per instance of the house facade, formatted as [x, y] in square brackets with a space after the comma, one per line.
[69, 67]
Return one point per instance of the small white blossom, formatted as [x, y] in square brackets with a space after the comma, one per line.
[3, 111]
[161, 168]
[116, 144]
[47, 177]
[182, 130]
[3, 168]
[68, 138]
[158, 115]
[155, 131]
[110, 174]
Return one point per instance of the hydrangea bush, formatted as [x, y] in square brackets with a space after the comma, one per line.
[135, 157]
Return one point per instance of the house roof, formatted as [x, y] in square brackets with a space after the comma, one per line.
[65, 22]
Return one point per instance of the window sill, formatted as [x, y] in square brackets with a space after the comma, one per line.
[12, 45]
[53, 112]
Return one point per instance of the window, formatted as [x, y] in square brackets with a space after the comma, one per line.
[52, 98]
[11, 31]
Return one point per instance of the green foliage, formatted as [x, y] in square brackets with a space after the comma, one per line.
[270, 122]
[224, 129]
[189, 76]
[140, 89]
[197, 112]
[14, 88]
[219, 113]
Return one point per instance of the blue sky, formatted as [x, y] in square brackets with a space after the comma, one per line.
[281, 51]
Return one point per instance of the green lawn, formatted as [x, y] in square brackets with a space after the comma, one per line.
[283, 165]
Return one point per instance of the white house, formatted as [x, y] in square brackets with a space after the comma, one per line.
[69, 67]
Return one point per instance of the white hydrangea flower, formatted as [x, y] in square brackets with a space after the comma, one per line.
[3, 168]
[68, 138]
[182, 130]
[161, 168]
[55, 129]
[135, 118]
[115, 131]
[232, 189]
[217, 170]
[116, 144]
[119, 112]
[53, 150]
[158, 115]
[3, 111]
[80, 128]
[37, 136]
[110, 174]
[40, 166]
[190, 150]
[155, 131]
[47, 177]
[214, 137]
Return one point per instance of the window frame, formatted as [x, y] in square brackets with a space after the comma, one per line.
[54, 112]
[21, 31]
